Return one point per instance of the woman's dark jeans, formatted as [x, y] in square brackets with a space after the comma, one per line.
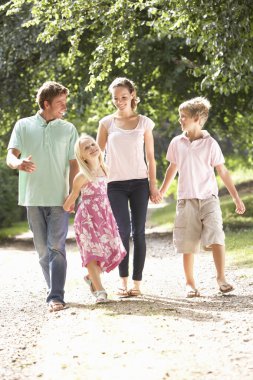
[129, 202]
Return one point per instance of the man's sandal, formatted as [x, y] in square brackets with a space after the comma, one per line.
[54, 306]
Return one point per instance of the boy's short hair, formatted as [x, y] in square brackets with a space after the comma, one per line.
[48, 91]
[198, 106]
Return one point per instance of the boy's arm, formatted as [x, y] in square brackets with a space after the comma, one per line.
[169, 176]
[78, 182]
[228, 182]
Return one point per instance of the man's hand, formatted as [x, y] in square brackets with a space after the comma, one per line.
[26, 165]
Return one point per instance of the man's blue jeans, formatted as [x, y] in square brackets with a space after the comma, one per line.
[50, 227]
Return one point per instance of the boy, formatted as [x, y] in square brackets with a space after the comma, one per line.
[194, 154]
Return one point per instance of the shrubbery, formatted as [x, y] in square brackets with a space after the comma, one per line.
[10, 211]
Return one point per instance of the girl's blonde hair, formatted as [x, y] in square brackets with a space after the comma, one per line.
[83, 165]
[198, 106]
[129, 84]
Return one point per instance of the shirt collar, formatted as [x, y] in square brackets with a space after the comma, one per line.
[205, 133]
[41, 120]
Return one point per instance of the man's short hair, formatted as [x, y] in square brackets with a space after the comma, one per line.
[48, 91]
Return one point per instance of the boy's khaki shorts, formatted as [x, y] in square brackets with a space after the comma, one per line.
[197, 221]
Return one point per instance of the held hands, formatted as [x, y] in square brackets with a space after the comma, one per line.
[155, 195]
[26, 165]
[68, 205]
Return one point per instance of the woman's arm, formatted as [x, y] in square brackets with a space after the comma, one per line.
[102, 136]
[78, 182]
[150, 157]
[169, 176]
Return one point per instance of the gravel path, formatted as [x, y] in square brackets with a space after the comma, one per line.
[159, 336]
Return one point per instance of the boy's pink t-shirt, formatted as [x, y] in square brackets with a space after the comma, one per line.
[195, 161]
[124, 154]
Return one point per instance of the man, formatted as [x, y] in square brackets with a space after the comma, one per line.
[41, 147]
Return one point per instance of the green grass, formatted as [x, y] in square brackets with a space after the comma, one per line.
[238, 228]
[239, 247]
[16, 229]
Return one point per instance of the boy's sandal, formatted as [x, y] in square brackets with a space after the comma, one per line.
[134, 293]
[122, 293]
[101, 296]
[89, 283]
[226, 288]
[55, 306]
[192, 293]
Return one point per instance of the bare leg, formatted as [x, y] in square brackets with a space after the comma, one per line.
[94, 275]
[188, 262]
[137, 285]
[135, 291]
[219, 261]
[124, 281]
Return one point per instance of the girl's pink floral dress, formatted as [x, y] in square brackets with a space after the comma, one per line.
[96, 230]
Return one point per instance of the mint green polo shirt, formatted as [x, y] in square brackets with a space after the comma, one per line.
[51, 146]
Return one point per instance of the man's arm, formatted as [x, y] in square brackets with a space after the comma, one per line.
[14, 162]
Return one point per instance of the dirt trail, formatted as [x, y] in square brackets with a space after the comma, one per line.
[159, 336]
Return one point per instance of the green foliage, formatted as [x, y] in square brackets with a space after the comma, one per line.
[220, 30]
[17, 228]
[10, 212]
[173, 51]
[231, 220]
[239, 246]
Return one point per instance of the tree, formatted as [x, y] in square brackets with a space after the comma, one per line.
[220, 29]
[173, 49]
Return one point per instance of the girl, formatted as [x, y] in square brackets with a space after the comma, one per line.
[96, 231]
[126, 136]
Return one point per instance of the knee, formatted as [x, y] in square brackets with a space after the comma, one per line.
[139, 234]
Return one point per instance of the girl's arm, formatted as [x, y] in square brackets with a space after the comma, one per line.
[73, 171]
[169, 176]
[228, 182]
[150, 157]
[78, 182]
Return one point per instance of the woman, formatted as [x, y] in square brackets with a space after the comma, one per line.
[126, 135]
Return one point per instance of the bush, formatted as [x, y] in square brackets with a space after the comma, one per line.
[10, 212]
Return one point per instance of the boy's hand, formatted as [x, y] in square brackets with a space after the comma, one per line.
[240, 207]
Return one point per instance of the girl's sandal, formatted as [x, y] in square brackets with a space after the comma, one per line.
[101, 296]
[89, 283]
